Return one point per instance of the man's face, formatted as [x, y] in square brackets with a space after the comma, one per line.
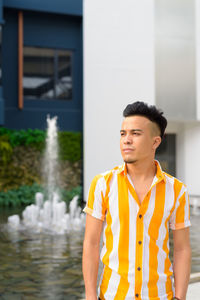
[139, 139]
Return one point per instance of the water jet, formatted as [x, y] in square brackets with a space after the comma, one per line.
[50, 215]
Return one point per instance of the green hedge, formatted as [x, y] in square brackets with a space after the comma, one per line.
[15, 142]
[5, 150]
[29, 137]
[70, 143]
[25, 195]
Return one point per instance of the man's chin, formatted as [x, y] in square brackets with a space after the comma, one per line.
[130, 161]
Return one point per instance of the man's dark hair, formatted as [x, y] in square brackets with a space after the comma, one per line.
[149, 111]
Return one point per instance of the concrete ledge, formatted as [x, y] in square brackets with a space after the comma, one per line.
[195, 277]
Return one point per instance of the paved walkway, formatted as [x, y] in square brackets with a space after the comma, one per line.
[194, 287]
[194, 291]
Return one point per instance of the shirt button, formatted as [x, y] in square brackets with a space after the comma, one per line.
[140, 216]
[139, 268]
[139, 242]
[137, 295]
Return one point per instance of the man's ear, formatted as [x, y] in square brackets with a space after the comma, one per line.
[157, 141]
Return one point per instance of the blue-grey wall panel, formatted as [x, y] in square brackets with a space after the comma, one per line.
[41, 30]
[10, 60]
[1, 12]
[71, 7]
[54, 31]
[62, 33]
[1, 108]
[1, 111]
[67, 120]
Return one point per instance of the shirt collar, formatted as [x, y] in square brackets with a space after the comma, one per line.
[159, 172]
[122, 169]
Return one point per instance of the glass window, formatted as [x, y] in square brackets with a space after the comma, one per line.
[47, 73]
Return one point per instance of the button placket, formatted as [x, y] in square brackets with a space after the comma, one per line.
[139, 251]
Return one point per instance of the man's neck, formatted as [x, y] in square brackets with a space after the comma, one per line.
[142, 170]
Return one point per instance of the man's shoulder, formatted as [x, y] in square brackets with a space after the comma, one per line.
[173, 180]
[109, 173]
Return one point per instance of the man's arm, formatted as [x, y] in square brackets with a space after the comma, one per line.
[90, 262]
[182, 261]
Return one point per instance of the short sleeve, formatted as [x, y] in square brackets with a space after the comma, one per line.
[95, 203]
[180, 217]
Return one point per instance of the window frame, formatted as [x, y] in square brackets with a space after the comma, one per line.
[53, 99]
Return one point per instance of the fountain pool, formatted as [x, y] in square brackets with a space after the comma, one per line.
[37, 265]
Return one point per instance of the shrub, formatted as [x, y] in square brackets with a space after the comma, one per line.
[20, 157]
[5, 150]
[67, 196]
[25, 195]
[70, 143]
[29, 137]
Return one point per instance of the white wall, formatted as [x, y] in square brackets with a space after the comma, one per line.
[175, 58]
[118, 69]
[192, 158]
[188, 137]
[197, 31]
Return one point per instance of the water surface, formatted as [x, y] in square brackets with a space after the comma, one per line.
[41, 266]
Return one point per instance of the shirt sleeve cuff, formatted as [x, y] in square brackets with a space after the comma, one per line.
[180, 225]
[93, 213]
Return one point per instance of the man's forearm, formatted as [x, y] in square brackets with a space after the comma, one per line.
[90, 269]
[181, 266]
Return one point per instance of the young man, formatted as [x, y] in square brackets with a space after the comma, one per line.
[135, 205]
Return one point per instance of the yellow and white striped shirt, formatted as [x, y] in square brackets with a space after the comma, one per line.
[135, 249]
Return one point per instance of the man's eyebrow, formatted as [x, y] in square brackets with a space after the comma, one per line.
[140, 130]
[137, 130]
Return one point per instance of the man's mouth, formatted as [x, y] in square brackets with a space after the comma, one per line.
[126, 150]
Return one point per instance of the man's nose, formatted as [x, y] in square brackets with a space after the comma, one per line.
[127, 139]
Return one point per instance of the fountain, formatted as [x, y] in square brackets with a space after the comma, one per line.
[50, 215]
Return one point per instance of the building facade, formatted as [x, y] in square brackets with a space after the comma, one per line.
[146, 50]
[41, 63]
